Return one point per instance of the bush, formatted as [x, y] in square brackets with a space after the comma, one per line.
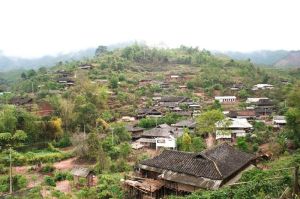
[120, 166]
[19, 182]
[48, 168]
[63, 142]
[60, 176]
[49, 181]
[3, 169]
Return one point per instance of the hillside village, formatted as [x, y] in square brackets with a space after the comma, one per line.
[141, 122]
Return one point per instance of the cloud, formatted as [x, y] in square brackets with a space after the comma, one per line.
[34, 28]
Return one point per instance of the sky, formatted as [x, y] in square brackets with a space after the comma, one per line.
[34, 28]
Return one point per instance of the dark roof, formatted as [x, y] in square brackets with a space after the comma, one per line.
[20, 100]
[249, 113]
[185, 123]
[173, 99]
[217, 163]
[157, 132]
[133, 129]
[65, 79]
[81, 172]
[148, 111]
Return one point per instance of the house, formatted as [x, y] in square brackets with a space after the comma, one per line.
[143, 188]
[262, 87]
[82, 172]
[127, 119]
[231, 128]
[247, 114]
[262, 106]
[185, 172]
[21, 101]
[191, 124]
[164, 85]
[148, 112]
[279, 121]
[136, 132]
[65, 81]
[226, 99]
[162, 136]
[172, 101]
[85, 66]
[63, 73]
[236, 87]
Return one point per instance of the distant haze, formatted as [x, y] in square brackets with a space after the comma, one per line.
[35, 28]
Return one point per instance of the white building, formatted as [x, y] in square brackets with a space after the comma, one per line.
[231, 128]
[226, 99]
[169, 143]
[279, 121]
[262, 87]
[251, 100]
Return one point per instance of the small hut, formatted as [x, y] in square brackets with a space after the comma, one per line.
[83, 173]
[144, 188]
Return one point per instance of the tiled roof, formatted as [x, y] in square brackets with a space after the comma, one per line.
[217, 163]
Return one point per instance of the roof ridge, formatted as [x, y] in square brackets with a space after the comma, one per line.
[216, 166]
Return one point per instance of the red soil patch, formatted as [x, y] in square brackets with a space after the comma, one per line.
[64, 186]
[65, 164]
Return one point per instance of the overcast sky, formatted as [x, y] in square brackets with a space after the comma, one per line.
[34, 28]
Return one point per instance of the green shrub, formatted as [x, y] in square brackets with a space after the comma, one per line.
[48, 168]
[63, 142]
[3, 169]
[19, 182]
[60, 176]
[49, 181]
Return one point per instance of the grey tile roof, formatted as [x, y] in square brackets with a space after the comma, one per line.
[217, 163]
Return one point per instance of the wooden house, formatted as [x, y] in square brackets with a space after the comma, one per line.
[185, 172]
[136, 132]
[262, 106]
[24, 102]
[247, 114]
[84, 173]
[148, 112]
[279, 121]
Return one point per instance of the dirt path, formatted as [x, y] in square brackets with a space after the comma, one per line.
[65, 164]
[64, 186]
[210, 141]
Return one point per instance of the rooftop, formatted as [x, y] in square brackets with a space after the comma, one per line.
[217, 163]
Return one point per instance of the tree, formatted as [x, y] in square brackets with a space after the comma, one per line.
[66, 108]
[293, 115]
[93, 146]
[114, 81]
[56, 125]
[186, 140]
[8, 141]
[242, 144]
[206, 122]
[198, 144]
[101, 50]
[216, 105]
[125, 149]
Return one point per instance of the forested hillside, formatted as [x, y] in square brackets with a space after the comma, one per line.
[88, 113]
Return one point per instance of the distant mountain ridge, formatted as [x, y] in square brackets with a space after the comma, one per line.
[278, 59]
[291, 60]
[10, 63]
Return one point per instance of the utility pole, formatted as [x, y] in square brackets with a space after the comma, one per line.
[296, 185]
[112, 136]
[10, 172]
[32, 88]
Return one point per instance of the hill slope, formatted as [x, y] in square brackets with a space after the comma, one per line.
[291, 60]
